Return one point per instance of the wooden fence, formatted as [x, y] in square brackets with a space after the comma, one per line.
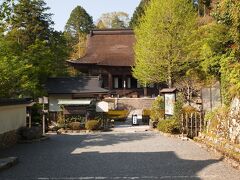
[192, 124]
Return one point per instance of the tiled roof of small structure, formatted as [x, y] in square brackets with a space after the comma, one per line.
[109, 47]
[9, 102]
[74, 85]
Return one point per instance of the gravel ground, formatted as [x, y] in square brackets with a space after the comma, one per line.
[115, 155]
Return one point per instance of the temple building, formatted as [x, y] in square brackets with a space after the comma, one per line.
[110, 55]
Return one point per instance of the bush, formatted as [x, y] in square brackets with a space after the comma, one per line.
[168, 126]
[74, 118]
[117, 114]
[189, 109]
[92, 125]
[218, 122]
[146, 112]
[36, 114]
[146, 116]
[26, 133]
[157, 109]
[60, 118]
[74, 125]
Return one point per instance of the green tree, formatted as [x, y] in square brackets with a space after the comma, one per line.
[6, 9]
[221, 48]
[31, 21]
[117, 23]
[30, 51]
[163, 47]
[227, 14]
[138, 13]
[214, 43]
[115, 20]
[78, 26]
[100, 25]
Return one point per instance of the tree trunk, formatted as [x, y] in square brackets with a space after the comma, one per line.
[188, 92]
[145, 90]
[79, 45]
[169, 77]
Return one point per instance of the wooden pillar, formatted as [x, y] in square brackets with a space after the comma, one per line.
[145, 91]
[124, 84]
[30, 118]
[110, 81]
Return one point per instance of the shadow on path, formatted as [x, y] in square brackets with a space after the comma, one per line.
[56, 159]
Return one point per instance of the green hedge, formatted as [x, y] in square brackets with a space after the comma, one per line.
[168, 126]
[118, 114]
[92, 125]
[146, 112]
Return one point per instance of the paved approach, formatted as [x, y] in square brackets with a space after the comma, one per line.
[115, 155]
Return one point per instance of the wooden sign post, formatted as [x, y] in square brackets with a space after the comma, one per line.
[43, 101]
[169, 101]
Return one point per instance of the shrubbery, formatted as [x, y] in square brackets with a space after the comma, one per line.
[168, 126]
[157, 109]
[26, 133]
[173, 124]
[146, 112]
[218, 122]
[74, 125]
[117, 114]
[92, 125]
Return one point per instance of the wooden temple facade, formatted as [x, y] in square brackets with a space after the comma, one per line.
[110, 56]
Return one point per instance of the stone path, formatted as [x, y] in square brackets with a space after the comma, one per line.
[115, 155]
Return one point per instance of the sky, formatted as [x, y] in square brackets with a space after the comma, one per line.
[95, 8]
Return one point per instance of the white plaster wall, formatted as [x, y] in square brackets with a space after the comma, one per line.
[53, 101]
[12, 117]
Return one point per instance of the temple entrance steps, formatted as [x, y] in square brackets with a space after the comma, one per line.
[127, 127]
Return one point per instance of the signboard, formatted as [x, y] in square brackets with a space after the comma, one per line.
[169, 103]
[43, 100]
[134, 120]
[102, 106]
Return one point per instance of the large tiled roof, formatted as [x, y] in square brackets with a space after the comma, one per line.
[74, 85]
[109, 48]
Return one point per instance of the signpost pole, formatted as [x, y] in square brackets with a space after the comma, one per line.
[43, 120]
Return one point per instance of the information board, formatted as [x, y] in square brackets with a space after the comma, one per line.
[169, 103]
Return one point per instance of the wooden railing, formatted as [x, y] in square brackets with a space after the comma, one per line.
[192, 124]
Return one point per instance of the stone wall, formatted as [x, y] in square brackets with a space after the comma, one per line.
[223, 130]
[224, 122]
[230, 152]
[234, 121]
[130, 103]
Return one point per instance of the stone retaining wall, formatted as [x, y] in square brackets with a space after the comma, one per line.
[234, 121]
[131, 103]
[227, 149]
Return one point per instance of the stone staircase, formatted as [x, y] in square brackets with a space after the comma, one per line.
[126, 127]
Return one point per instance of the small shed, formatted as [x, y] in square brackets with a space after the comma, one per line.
[72, 93]
[13, 115]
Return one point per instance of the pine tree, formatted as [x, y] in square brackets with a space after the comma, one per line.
[78, 26]
[138, 13]
[31, 21]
